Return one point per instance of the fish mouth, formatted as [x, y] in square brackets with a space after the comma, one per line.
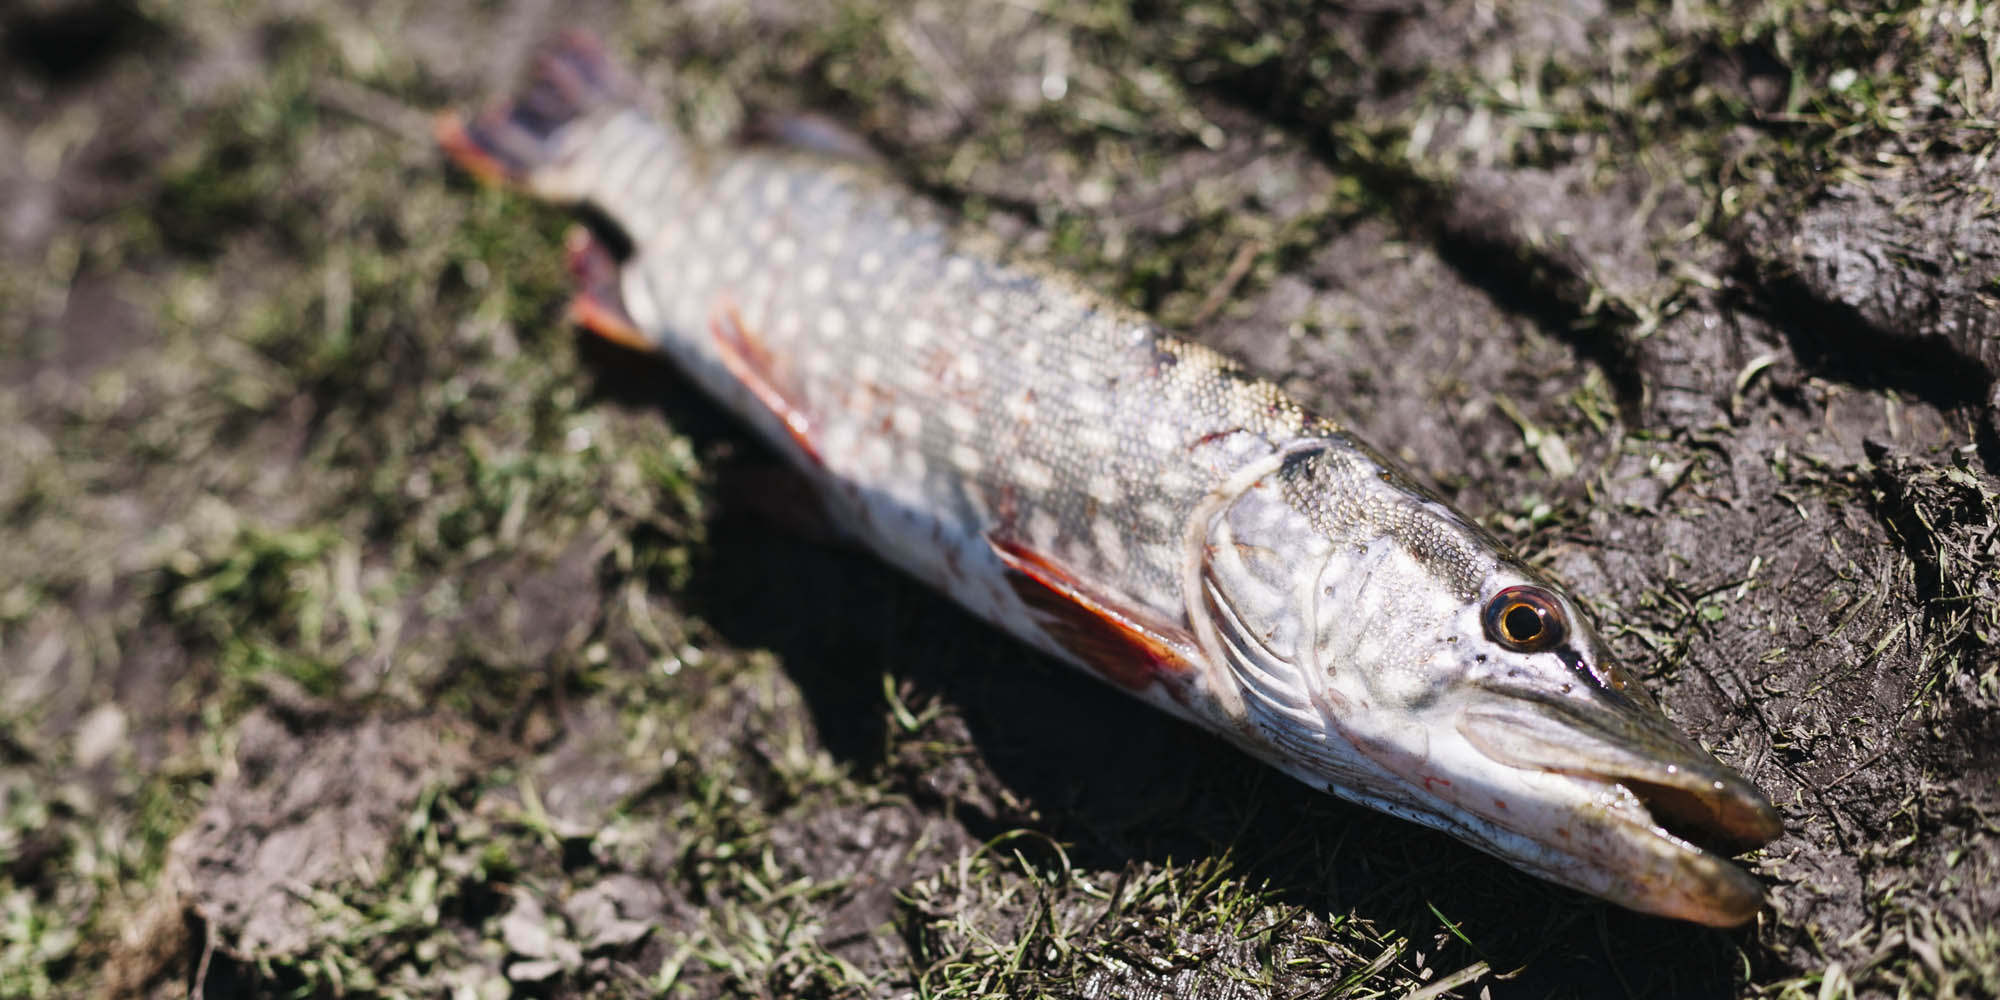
[1643, 815]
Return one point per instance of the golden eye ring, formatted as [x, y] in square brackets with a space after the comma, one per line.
[1525, 619]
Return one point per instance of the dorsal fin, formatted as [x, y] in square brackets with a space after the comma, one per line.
[812, 133]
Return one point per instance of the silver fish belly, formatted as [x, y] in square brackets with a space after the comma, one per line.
[1133, 504]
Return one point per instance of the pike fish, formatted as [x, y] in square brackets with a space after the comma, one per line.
[1133, 504]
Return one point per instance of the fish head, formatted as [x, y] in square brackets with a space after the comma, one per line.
[1382, 645]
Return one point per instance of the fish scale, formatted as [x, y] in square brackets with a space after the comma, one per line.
[1132, 503]
[997, 396]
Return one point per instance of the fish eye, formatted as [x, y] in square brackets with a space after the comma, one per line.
[1525, 619]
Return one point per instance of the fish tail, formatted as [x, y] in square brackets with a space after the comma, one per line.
[540, 138]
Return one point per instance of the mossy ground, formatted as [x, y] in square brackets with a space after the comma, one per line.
[363, 631]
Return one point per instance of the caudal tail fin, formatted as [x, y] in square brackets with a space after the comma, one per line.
[512, 141]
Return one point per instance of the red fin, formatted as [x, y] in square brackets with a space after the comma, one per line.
[1127, 645]
[599, 306]
[744, 354]
[509, 141]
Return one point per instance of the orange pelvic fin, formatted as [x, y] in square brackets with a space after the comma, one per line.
[1130, 646]
[746, 357]
[598, 305]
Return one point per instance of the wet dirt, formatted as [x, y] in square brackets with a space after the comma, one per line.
[601, 727]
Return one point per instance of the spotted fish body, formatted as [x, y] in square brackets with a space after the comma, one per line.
[1131, 503]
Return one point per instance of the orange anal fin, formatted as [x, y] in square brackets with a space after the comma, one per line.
[599, 306]
[744, 354]
[1128, 645]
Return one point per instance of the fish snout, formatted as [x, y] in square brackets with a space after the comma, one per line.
[1667, 812]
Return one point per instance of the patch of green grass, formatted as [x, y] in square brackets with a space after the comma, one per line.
[1017, 919]
[39, 932]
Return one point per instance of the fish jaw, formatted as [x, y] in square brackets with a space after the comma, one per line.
[1583, 828]
[1570, 818]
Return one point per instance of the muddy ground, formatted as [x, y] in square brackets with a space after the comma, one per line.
[364, 631]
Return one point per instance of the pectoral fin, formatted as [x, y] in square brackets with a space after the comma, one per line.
[1130, 645]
